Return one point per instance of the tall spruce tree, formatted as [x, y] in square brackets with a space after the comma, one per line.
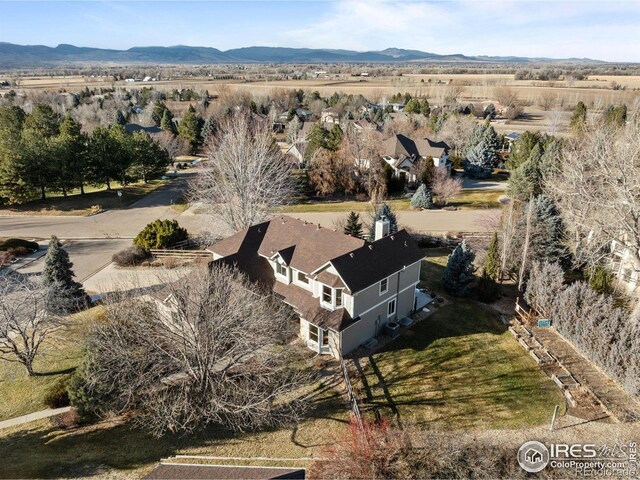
[492, 261]
[548, 235]
[353, 226]
[458, 274]
[66, 294]
[479, 162]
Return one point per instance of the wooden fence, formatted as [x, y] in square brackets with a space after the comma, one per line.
[352, 397]
[182, 254]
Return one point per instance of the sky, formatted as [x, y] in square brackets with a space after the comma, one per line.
[604, 30]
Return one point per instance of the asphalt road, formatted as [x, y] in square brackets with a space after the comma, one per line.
[125, 223]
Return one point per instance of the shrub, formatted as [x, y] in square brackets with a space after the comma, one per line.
[18, 251]
[57, 395]
[18, 242]
[160, 234]
[130, 257]
[422, 198]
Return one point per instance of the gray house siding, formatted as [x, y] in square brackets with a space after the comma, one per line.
[372, 307]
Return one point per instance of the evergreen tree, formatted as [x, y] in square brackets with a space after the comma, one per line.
[386, 212]
[353, 226]
[492, 261]
[67, 294]
[548, 234]
[579, 118]
[316, 140]
[119, 118]
[148, 160]
[209, 128]
[189, 128]
[334, 138]
[13, 188]
[70, 161]
[425, 109]
[423, 198]
[479, 162]
[458, 274]
[166, 122]
[412, 106]
[428, 172]
[490, 111]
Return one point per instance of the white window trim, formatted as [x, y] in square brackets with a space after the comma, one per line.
[380, 291]
[394, 300]
[330, 305]
[280, 275]
[306, 286]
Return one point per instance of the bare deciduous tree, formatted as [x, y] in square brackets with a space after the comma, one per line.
[505, 95]
[457, 130]
[25, 322]
[209, 351]
[445, 187]
[547, 100]
[174, 145]
[596, 186]
[245, 177]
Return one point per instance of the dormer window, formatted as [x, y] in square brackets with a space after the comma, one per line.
[339, 297]
[384, 286]
[281, 269]
[327, 294]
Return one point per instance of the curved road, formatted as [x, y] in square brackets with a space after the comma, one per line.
[124, 223]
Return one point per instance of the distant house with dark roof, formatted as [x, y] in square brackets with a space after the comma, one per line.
[344, 289]
[134, 127]
[402, 152]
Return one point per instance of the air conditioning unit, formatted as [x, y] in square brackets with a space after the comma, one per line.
[392, 329]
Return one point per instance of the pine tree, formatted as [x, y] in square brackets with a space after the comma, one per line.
[492, 261]
[488, 290]
[423, 198]
[479, 162]
[547, 242]
[166, 122]
[354, 225]
[67, 294]
[119, 118]
[428, 172]
[579, 118]
[458, 275]
[189, 128]
[209, 128]
[386, 212]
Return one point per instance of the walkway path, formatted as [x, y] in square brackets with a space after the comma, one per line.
[612, 395]
[32, 417]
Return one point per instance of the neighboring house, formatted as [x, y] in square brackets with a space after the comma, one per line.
[296, 151]
[402, 152]
[280, 122]
[344, 289]
[395, 107]
[512, 138]
[330, 116]
[624, 268]
[363, 124]
[304, 114]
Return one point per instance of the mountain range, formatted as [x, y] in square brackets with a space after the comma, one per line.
[38, 55]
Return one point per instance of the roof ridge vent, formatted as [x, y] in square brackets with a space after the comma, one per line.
[392, 237]
[370, 246]
[405, 243]
[351, 254]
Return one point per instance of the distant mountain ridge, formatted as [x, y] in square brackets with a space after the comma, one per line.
[37, 55]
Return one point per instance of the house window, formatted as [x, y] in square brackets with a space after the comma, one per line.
[339, 298]
[391, 308]
[384, 286]
[281, 269]
[326, 294]
[313, 333]
[325, 337]
[302, 278]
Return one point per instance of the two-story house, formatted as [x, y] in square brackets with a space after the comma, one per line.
[345, 290]
[402, 152]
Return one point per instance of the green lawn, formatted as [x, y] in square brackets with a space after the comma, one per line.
[38, 450]
[459, 368]
[22, 394]
[76, 204]
[469, 199]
